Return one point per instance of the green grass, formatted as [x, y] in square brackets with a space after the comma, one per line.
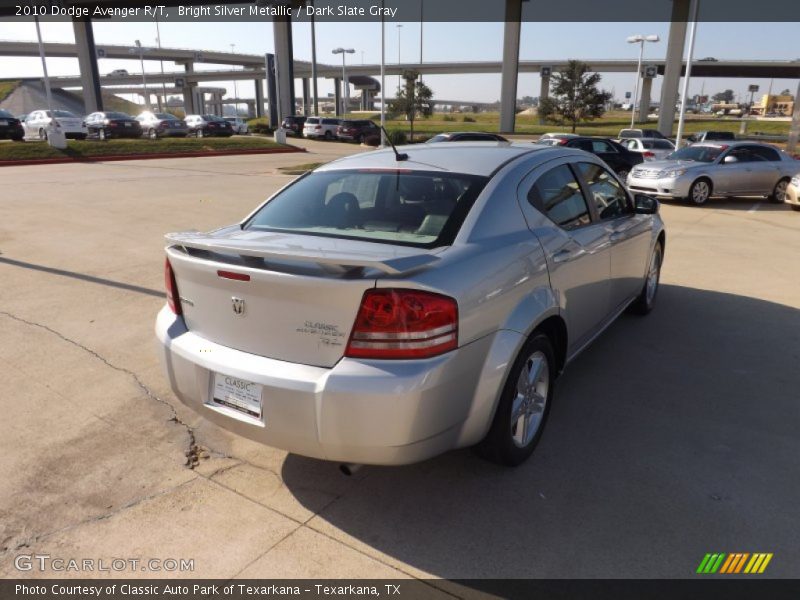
[300, 169]
[6, 87]
[90, 148]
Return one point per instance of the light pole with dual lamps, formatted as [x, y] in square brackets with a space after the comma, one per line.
[639, 39]
[141, 51]
[346, 90]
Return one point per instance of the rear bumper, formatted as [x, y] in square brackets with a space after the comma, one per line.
[792, 194]
[370, 412]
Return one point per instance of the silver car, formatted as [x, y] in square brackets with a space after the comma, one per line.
[650, 149]
[701, 171]
[384, 309]
[156, 125]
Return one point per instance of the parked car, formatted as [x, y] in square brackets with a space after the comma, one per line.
[208, 125]
[792, 197]
[293, 125]
[10, 127]
[616, 156]
[238, 124]
[702, 171]
[555, 139]
[156, 125]
[320, 127]
[110, 124]
[439, 297]
[358, 131]
[625, 134]
[466, 136]
[118, 73]
[650, 149]
[37, 123]
[711, 136]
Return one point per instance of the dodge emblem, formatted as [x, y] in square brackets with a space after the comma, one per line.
[238, 306]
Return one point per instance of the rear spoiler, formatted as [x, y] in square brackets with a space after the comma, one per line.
[332, 260]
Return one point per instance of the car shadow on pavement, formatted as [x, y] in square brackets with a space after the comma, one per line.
[673, 435]
[746, 204]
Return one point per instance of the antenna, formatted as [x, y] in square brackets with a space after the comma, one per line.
[397, 155]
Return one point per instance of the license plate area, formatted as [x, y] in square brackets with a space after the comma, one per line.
[238, 395]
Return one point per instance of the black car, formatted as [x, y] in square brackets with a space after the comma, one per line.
[294, 125]
[358, 131]
[620, 159]
[10, 127]
[466, 136]
[208, 125]
[109, 124]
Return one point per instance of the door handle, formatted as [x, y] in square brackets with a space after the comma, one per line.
[566, 254]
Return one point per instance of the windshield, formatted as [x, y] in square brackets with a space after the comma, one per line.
[395, 207]
[116, 115]
[706, 154]
[658, 145]
[166, 117]
[5, 114]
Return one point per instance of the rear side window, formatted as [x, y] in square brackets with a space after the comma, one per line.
[765, 152]
[558, 195]
[312, 121]
[330, 122]
[408, 208]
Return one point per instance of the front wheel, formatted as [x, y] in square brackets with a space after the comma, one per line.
[200, 133]
[779, 191]
[152, 134]
[43, 135]
[102, 136]
[646, 299]
[700, 192]
[623, 174]
[524, 405]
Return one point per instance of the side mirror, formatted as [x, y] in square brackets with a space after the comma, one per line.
[730, 159]
[645, 205]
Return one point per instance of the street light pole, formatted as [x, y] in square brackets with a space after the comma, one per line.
[235, 90]
[692, 29]
[346, 90]
[144, 79]
[161, 60]
[383, 78]
[639, 39]
[399, 75]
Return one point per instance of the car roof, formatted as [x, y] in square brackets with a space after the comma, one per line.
[477, 158]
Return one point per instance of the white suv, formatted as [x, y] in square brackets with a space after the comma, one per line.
[319, 127]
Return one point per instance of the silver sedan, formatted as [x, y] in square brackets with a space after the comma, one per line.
[701, 171]
[387, 307]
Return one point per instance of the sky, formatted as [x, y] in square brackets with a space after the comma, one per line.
[441, 42]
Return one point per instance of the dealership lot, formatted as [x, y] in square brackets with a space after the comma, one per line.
[672, 436]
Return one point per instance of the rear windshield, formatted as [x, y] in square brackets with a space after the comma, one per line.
[166, 117]
[720, 135]
[212, 118]
[658, 145]
[64, 114]
[116, 115]
[312, 120]
[631, 133]
[5, 114]
[424, 209]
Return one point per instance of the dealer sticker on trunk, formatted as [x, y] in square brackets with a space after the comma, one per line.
[238, 394]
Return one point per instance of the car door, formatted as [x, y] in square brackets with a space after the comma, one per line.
[765, 168]
[576, 247]
[629, 234]
[734, 178]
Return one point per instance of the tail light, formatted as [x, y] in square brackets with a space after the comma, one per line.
[562, 141]
[318, 127]
[395, 323]
[648, 154]
[173, 299]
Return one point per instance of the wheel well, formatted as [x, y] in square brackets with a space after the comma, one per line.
[555, 329]
[662, 239]
[705, 178]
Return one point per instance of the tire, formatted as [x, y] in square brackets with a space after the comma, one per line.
[505, 443]
[152, 134]
[43, 135]
[623, 174]
[795, 207]
[200, 133]
[360, 139]
[101, 135]
[18, 139]
[328, 135]
[700, 191]
[646, 300]
[779, 191]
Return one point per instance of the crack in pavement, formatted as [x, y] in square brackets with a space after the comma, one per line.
[193, 451]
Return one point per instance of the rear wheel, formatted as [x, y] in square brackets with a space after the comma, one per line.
[200, 132]
[646, 300]
[42, 134]
[102, 136]
[328, 135]
[524, 405]
[623, 174]
[779, 191]
[152, 134]
[700, 191]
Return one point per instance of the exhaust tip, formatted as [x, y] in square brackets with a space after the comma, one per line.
[349, 469]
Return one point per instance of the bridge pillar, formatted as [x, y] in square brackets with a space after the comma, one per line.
[259, 104]
[306, 97]
[644, 100]
[544, 92]
[337, 95]
[794, 129]
[284, 61]
[508, 85]
[189, 105]
[673, 67]
[87, 63]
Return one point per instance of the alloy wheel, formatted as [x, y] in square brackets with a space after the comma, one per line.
[528, 407]
[779, 194]
[700, 192]
[653, 275]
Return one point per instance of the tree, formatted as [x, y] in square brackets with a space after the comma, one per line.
[413, 99]
[726, 97]
[574, 96]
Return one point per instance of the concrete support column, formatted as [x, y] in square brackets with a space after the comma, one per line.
[306, 97]
[544, 93]
[508, 86]
[337, 95]
[87, 63]
[644, 99]
[794, 129]
[272, 94]
[676, 42]
[284, 59]
[259, 98]
[364, 99]
[189, 106]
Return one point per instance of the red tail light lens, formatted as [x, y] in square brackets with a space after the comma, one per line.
[562, 141]
[396, 324]
[648, 154]
[173, 299]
